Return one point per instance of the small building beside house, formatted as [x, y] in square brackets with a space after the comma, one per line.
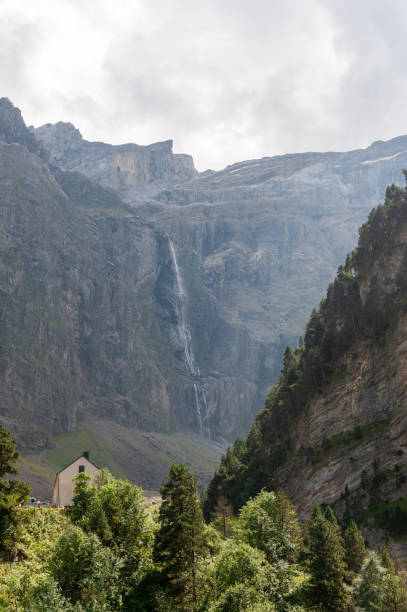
[63, 486]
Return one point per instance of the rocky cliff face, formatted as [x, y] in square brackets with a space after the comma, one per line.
[356, 429]
[134, 170]
[87, 320]
[256, 245]
[334, 428]
[171, 316]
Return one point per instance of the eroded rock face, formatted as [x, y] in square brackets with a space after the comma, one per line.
[256, 245]
[134, 170]
[350, 443]
[367, 397]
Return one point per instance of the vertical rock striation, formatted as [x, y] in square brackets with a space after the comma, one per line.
[257, 244]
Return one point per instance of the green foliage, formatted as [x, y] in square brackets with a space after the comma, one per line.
[355, 549]
[394, 596]
[327, 563]
[342, 320]
[46, 597]
[380, 590]
[85, 571]
[12, 493]
[392, 516]
[179, 543]
[223, 517]
[23, 584]
[114, 510]
[22, 589]
[242, 598]
[242, 579]
[386, 561]
[269, 522]
[368, 594]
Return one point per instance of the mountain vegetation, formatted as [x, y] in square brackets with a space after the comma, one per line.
[331, 431]
[362, 310]
[108, 553]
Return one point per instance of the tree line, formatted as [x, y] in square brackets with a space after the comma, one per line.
[107, 552]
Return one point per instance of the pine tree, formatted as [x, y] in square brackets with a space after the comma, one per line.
[355, 549]
[394, 597]
[387, 561]
[222, 515]
[380, 588]
[330, 516]
[12, 492]
[327, 563]
[369, 593]
[179, 542]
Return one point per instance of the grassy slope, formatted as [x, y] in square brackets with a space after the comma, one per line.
[142, 457]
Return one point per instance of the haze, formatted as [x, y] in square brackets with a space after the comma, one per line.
[227, 80]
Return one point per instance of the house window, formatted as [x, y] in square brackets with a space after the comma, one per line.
[81, 468]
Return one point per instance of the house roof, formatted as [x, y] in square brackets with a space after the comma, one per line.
[80, 457]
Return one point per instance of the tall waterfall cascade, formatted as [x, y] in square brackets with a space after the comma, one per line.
[184, 333]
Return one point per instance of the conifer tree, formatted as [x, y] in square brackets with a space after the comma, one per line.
[394, 598]
[380, 588]
[12, 492]
[330, 516]
[387, 561]
[355, 549]
[327, 563]
[369, 593]
[269, 522]
[179, 542]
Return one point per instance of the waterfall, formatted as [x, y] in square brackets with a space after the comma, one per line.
[198, 409]
[185, 336]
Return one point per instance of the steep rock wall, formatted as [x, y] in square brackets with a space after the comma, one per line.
[256, 245]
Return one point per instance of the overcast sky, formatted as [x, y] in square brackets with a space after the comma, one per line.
[227, 80]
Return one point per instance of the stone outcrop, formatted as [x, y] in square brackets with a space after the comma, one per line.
[134, 170]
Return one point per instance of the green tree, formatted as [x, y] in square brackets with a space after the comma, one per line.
[380, 590]
[330, 516]
[86, 571]
[394, 598]
[327, 563]
[114, 510]
[82, 497]
[355, 549]
[386, 561]
[243, 578]
[269, 522]
[179, 543]
[12, 493]
[242, 598]
[47, 597]
[369, 593]
[221, 517]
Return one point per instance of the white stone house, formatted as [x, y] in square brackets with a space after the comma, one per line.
[63, 486]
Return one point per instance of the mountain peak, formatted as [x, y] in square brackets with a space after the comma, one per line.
[14, 130]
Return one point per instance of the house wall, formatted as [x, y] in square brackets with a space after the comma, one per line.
[63, 485]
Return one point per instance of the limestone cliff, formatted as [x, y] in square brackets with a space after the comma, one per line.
[135, 170]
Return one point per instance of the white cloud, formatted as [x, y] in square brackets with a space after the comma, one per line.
[226, 79]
